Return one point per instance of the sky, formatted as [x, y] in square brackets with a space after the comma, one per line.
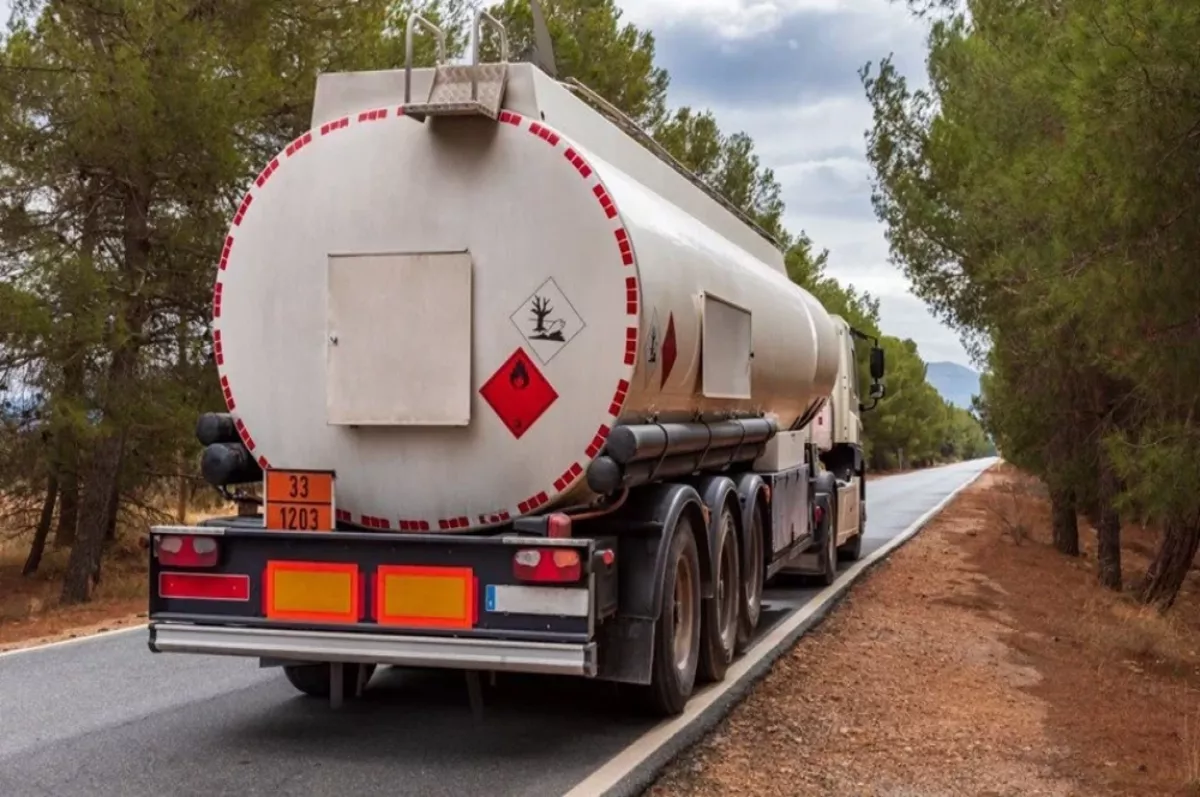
[786, 72]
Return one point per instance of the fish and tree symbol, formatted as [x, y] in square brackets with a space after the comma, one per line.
[544, 327]
[547, 321]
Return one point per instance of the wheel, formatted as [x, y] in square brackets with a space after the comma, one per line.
[313, 679]
[851, 550]
[718, 643]
[828, 556]
[677, 632]
[752, 583]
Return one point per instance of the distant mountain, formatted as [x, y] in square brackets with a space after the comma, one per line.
[957, 383]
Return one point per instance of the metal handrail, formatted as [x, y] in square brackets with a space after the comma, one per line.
[482, 16]
[622, 120]
[414, 21]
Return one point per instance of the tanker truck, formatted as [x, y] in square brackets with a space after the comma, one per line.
[507, 390]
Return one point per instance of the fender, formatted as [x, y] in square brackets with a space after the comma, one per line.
[649, 520]
[645, 527]
[715, 491]
[751, 490]
[825, 489]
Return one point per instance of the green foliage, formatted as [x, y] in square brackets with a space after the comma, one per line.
[1041, 197]
[593, 45]
[129, 130]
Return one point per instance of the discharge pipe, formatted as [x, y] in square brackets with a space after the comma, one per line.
[639, 453]
[643, 441]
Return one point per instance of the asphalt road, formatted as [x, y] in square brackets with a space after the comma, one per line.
[106, 717]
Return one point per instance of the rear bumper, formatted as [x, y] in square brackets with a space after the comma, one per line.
[408, 651]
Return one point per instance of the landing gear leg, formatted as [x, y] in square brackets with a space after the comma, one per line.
[337, 677]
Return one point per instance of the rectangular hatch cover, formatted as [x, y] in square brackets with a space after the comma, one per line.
[399, 339]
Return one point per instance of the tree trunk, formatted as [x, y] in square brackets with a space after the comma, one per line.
[1108, 529]
[68, 511]
[98, 506]
[38, 548]
[83, 567]
[74, 381]
[101, 486]
[1176, 551]
[1065, 522]
[114, 507]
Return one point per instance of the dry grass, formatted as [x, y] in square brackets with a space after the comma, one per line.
[1009, 503]
[29, 608]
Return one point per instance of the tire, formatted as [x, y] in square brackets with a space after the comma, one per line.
[750, 610]
[718, 643]
[673, 673]
[313, 679]
[828, 556]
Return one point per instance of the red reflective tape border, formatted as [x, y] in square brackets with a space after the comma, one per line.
[373, 116]
[628, 258]
[632, 299]
[288, 152]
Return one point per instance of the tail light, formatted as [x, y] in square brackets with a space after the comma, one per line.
[204, 586]
[547, 565]
[186, 551]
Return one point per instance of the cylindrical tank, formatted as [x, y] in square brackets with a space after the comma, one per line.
[452, 315]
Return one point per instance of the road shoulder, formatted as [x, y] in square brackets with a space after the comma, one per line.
[974, 661]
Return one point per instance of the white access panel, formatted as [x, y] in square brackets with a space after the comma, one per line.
[399, 339]
[726, 350]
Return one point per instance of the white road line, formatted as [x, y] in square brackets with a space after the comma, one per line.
[74, 640]
[629, 759]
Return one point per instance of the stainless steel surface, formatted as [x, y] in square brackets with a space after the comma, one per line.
[417, 21]
[408, 651]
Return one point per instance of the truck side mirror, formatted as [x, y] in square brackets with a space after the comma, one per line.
[877, 391]
[876, 363]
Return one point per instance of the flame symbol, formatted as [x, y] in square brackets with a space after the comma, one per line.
[519, 377]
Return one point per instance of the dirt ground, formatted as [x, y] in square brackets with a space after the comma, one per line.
[29, 614]
[29, 610]
[976, 661]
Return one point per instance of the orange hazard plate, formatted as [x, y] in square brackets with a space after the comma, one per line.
[299, 500]
[426, 597]
[314, 592]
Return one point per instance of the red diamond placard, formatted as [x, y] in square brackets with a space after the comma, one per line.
[668, 350]
[518, 393]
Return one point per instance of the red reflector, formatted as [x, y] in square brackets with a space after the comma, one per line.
[559, 526]
[180, 551]
[547, 565]
[204, 586]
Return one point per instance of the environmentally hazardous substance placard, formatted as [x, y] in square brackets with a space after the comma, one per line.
[519, 393]
[547, 320]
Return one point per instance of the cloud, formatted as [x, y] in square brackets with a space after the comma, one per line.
[786, 73]
[802, 56]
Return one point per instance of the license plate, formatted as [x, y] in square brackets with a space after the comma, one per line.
[426, 597]
[298, 500]
[316, 592]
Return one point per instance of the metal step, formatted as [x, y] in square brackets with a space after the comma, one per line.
[473, 89]
[463, 91]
